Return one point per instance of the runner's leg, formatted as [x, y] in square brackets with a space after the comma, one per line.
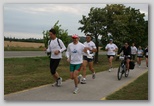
[84, 65]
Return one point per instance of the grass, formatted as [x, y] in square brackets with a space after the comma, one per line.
[137, 90]
[24, 73]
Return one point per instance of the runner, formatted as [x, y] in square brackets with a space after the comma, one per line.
[146, 55]
[139, 56]
[55, 48]
[74, 55]
[111, 49]
[133, 51]
[88, 58]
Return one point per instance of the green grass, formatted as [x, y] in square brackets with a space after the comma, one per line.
[24, 73]
[137, 90]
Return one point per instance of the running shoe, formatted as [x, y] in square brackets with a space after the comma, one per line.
[76, 90]
[55, 84]
[59, 82]
[79, 78]
[83, 81]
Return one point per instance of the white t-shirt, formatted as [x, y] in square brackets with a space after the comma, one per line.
[133, 50]
[75, 53]
[53, 46]
[111, 48]
[91, 45]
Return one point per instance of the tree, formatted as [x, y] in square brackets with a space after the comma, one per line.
[60, 33]
[93, 24]
[126, 24]
[123, 24]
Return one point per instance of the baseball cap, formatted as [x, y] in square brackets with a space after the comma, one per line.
[111, 39]
[75, 36]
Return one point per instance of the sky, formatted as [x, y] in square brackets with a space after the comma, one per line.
[30, 20]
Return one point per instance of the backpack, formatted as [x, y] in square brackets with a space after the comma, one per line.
[131, 65]
[49, 53]
[57, 41]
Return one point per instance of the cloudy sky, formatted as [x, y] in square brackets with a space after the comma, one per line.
[29, 20]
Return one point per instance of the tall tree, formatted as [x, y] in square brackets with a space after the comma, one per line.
[123, 24]
[60, 33]
[94, 24]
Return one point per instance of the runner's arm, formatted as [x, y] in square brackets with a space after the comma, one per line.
[63, 48]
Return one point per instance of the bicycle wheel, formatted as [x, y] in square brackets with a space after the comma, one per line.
[120, 72]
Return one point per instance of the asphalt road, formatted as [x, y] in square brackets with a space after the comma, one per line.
[95, 89]
[19, 54]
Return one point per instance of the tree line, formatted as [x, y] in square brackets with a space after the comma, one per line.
[34, 40]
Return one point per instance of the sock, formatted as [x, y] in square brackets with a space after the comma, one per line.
[84, 78]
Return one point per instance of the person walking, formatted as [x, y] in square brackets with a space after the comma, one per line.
[55, 49]
[146, 55]
[88, 58]
[139, 56]
[111, 51]
[74, 56]
[133, 51]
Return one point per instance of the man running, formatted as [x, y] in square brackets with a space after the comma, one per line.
[111, 49]
[55, 48]
[139, 56]
[88, 57]
[133, 51]
[74, 55]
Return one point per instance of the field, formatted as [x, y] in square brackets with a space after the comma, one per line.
[22, 46]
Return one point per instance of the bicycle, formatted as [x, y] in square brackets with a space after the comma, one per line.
[122, 68]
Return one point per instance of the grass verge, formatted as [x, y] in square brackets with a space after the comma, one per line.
[25, 73]
[137, 90]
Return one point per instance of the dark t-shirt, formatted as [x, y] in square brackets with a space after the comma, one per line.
[126, 51]
[146, 52]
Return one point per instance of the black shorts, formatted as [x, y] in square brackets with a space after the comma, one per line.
[140, 56]
[110, 56]
[53, 65]
[128, 57]
[146, 56]
[87, 59]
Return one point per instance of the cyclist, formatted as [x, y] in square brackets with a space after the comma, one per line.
[127, 53]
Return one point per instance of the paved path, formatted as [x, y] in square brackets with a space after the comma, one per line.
[18, 54]
[97, 89]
